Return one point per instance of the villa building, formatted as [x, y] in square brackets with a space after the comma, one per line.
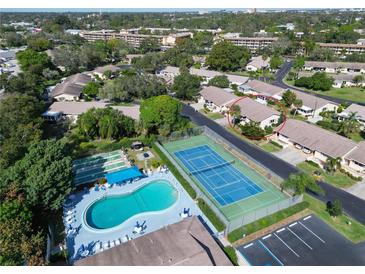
[335, 67]
[71, 88]
[258, 63]
[99, 71]
[216, 99]
[256, 87]
[354, 108]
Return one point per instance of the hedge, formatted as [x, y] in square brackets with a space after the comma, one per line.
[266, 221]
[231, 253]
[213, 218]
[176, 173]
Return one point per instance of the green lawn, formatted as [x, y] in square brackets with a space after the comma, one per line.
[354, 232]
[356, 94]
[270, 147]
[337, 179]
[214, 115]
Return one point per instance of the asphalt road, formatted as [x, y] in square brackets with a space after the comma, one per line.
[285, 68]
[352, 205]
[308, 241]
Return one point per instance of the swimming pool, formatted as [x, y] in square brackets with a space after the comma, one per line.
[113, 210]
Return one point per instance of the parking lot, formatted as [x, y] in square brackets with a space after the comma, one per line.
[308, 241]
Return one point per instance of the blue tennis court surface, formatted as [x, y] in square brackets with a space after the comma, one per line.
[225, 183]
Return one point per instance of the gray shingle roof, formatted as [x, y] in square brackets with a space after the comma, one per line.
[334, 65]
[265, 88]
[181, 244]
[317, 139]
[73, 85]
[360, 110]
[358, 154]
[312, 101]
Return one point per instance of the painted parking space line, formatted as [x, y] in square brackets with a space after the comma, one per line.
[300, 239]
[296, 254]
[280, 230]
[267, 236]
[319, 238]
[247, 246]
[293, 224]
[306, 218]
[269, 251]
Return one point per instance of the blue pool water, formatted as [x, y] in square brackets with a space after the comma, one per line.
[115, 209]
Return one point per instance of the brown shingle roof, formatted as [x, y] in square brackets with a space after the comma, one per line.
[312, 101]
[103, 69]
[258, 62]
[334, 65]
[184, 243]
[360, 111]
[218, 96]
[317, 139]
[73, 85]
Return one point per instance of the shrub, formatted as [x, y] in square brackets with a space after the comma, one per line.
[313, 163]
[213, 218]
[266, 221]
[176, 173]
[276, 144]
[335, 208]
[350, 175]
[231, 253]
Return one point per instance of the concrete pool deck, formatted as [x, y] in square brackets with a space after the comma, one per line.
[90, 238]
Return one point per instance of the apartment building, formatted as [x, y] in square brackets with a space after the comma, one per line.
[341, 49]
[134, 38]
[252, 43]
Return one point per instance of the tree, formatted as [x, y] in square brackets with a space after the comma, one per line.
[68, 56]
[335, 208]
[300, 182]
[275, 62]
[220, 81]
[318, 81]
[235, 112]
[14, 39]
[288, 98]
[252, 130]
[332, 164]
[226, 56]
[299, 62]
[33, 61]
[149, 44]
[309, 46]
[91, 90]
[161, 115]
[107, 123]
[298, 103]
[39, 43]
[358, 79]
[186, 86]
[150, 62]
[350, 125]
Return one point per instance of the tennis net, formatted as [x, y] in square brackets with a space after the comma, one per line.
[211, 167]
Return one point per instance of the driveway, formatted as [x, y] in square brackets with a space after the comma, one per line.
[357, 189]
[291, 155]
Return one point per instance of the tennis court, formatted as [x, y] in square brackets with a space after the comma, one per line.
[224, 182]
[235, 188]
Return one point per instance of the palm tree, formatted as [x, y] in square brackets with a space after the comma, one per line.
[297, 104]
[351, 125]
[300, 182]
[332, 164]
[235, 112]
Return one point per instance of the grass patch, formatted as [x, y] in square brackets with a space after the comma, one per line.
[213, 218]
[271, 147]
[231, 253]
[356, 94]
[354, 232]
[337, 179]
[267, 221]
[176, 173]
[214, 115]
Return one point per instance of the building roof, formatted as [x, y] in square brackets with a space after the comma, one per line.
[218, 96]
[255, 111]
[103, 69]
[205, 72]
[181, 244]
[265, 88]
[77, 108]
[337, 45]
[360, 111]
[237, 79]
[72, 85]
[334, 65]
[317, 139]
[358, 154]
[258, 62]
[312, 101]
[171, 69]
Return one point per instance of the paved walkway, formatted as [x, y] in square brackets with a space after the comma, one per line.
[291, 155]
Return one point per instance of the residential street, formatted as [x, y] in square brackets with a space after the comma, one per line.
[352, 205]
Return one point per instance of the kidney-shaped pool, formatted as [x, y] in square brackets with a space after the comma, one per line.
[113, 210]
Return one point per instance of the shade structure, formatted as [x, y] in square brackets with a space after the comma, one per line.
[123, 175]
